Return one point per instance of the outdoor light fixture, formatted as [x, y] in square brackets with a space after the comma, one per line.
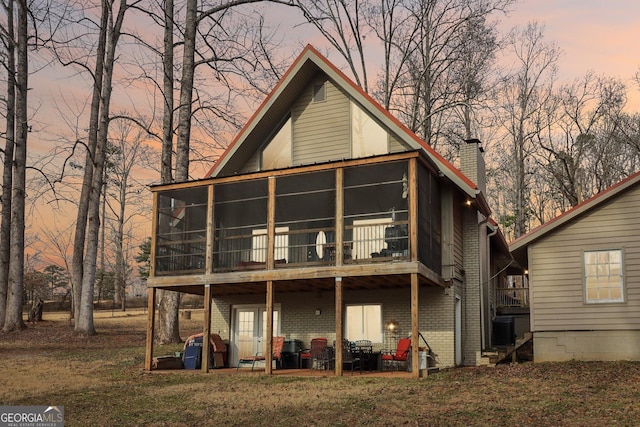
[392, 326]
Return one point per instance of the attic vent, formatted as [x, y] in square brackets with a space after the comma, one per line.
[319, 94]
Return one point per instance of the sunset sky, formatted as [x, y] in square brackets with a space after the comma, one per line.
[601, 36]
[593, 35]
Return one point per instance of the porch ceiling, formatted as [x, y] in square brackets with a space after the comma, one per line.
[303, 285]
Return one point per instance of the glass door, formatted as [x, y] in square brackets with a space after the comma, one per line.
[251, 329]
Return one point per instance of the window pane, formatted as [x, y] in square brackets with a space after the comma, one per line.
[368, 138]
[603, 276]
[277, 154]
[364, 322]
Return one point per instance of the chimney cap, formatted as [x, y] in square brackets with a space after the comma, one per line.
[473, 141]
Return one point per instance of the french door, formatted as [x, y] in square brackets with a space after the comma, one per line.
[250, 329]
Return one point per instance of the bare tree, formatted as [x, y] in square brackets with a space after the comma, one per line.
[424, 45]
[523, 95]
[576, 151]
[127, 152]
[7, 36]
[13, 316]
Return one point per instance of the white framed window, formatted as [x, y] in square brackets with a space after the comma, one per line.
[363, 322]
[603, 276]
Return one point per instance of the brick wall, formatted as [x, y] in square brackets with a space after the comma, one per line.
[299, 319]
[471, 330]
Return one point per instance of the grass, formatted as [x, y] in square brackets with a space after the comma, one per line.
[100, 381]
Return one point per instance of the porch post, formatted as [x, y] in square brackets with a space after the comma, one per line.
[338, 346]
[413, 210]
[206, 330]
[269, 351]
[415, 333]
[151, 316]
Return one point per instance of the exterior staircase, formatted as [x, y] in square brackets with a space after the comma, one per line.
[493, 357]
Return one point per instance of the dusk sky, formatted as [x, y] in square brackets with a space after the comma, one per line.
[593, 35]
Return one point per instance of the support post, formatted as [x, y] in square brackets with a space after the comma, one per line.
[415, 333]
[339, 329]
[206, 330]
[151, 317]
[268, 369]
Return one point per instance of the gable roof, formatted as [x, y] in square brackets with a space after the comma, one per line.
[279, 101]
[518, 247]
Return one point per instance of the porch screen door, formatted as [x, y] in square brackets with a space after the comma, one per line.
[251, 327]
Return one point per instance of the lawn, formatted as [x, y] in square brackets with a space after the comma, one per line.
[101, 381]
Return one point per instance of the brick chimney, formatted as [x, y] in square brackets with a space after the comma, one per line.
[472, 163]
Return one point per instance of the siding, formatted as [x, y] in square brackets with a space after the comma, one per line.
[555, 266]
[395, 145]
[321, 130]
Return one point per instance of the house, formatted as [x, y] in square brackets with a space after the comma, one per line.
[326, 217]
[584, 278]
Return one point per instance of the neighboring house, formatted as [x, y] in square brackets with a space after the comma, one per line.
[326, 217]
[584, 278]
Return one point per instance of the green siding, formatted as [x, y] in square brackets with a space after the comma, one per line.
[321, 130]
[555, 266]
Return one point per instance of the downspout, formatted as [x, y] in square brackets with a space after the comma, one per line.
[483, 338]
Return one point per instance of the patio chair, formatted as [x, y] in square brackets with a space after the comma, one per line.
[401, 353]
[278, 344]
[317, 347]
[364, 349]
[350, 356]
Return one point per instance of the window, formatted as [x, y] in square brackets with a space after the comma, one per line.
[364, 322]
[603, 276]
[260, 240]
[277, 154]
[319, 92]
[368, 138]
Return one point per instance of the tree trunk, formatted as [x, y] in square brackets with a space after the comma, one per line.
[77, 261]
[13, 317]
[84, 325]
[166, 174]
[168, 330]
[186, 93]
[7, 174]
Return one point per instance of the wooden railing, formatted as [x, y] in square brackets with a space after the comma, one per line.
[512, 297]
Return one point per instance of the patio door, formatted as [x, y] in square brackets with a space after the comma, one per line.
[250, 330]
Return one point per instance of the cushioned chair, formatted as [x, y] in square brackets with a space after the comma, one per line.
[278, 344]
[401, 353]
[318, 346]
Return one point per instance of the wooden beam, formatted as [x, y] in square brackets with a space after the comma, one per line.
[339, 328]
[151, 316]
[206, 330]
[154, 233]
[292, 171]
[413, 210]
[415, 332]
[271, 224]
[208, 267]
[311, 272]
[339, 216]
[269, 351]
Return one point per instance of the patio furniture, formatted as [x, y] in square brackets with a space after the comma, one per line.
[350, 356]
[317, 346]
[278, 343]
[364, 349]
[401, 353]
